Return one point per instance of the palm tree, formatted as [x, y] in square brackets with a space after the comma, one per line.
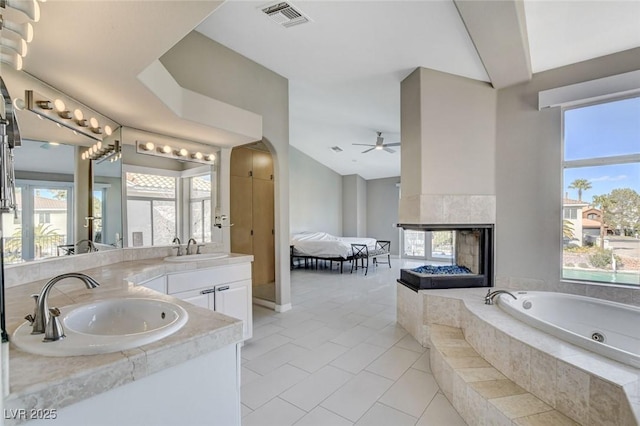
[580, 185]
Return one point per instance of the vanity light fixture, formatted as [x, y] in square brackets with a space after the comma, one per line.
[11, 58]
[17, 44]
[28, 7]
[108, 130]
[59, 112]
[167, 151]
[99, 152]
[25, 31]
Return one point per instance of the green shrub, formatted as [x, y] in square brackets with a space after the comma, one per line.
[601, 259]
[583, 265]
[569, 265]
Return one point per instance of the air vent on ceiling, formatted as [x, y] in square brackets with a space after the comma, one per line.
[285, 14]
[336, 149]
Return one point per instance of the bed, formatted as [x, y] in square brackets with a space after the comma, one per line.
[324, 246]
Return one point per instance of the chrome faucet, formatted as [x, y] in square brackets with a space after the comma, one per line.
[488, 299]
[176, 240]
[191, 240]
[42, 313]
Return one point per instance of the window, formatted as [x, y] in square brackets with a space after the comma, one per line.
[151, 209]
[200, 207]
[44, 221]
[602, 176]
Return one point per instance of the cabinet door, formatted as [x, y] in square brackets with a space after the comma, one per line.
[241, 215]
[263, 230]
[202, 298]
[234, 299]
[262, 165]
[241, 162]
[158, 284]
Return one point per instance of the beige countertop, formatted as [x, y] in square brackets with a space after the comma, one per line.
[54, 382]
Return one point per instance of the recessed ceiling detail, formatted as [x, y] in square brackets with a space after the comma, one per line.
[285, 14]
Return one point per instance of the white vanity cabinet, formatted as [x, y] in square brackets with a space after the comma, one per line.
[225, 289]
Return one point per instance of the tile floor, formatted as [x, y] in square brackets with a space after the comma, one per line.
[339, 358]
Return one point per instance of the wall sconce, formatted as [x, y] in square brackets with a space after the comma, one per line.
[58, 112]
[99, 152]
[167, 151]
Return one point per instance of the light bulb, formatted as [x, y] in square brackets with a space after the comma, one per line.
[197, 156]
[99, 145]
[90, 150]
[77, 114]
[149, 146]
[210, 157]
[182, 153]
[12, 59]
[23, 30]
[166, 149]
[18, 45]
[108, 130]
[19, 104]
[59, 105]
[28, 7]
[93, 122]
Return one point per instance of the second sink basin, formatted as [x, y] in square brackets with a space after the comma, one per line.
[104, 326]
[196, 257]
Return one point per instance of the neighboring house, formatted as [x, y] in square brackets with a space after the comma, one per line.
[572, 212]
[591, 223]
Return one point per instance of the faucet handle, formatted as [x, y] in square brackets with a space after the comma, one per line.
[53, 330]
[30, 318]
[199, 247]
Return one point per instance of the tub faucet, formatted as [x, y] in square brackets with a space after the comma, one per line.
[42, 313]
[90, 246]
[191, 240]
[176, 240]
[488, 299]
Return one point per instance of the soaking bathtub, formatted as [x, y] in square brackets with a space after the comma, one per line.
[608, 328]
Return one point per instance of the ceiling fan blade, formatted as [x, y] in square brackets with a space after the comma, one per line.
[370, 149]
[362, 144]
[392, 144]
[388, 149]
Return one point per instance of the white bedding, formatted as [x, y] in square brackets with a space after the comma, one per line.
[321, 244]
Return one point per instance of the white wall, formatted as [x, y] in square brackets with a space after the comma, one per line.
[528, 171]
[200, 64]
[382, 210]
[315, 195]
[354, 206]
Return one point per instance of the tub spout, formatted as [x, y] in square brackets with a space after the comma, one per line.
[488, 299]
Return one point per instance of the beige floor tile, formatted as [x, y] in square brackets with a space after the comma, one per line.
[322, 417]
[317, 358]
[393, 363]
[423, 363]
[408, 342]
[317, 337]
[316, 388]
[440, 412]
[275, 358]
[302, 328]
[353, 336]
[388, 336]
[275, 412]
[359, 357]
[412, 393]
[381, 415]
[358, 395]
[265, 388]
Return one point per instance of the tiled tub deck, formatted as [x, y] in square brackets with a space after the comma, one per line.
[582, 386]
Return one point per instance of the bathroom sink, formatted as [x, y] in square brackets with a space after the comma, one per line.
[196, 257]
[105, 326]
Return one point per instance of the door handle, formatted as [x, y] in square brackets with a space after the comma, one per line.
[226, 287]
[207, 291]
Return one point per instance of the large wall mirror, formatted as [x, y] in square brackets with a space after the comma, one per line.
[167, 197]
[48, 176]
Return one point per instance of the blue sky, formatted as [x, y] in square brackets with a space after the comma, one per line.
[603, 130]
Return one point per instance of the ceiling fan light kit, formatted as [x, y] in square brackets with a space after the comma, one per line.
[379, 145]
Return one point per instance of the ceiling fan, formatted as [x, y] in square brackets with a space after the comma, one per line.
[379, 145]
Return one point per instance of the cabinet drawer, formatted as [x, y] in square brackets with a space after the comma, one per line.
[191, 280]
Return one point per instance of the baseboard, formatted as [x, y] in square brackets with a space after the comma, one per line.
[271, 305]
[283, 308]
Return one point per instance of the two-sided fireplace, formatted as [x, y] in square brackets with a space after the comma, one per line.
[472, 264]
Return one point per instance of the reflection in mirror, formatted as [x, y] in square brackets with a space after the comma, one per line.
[44, 225]
[43, 221]
[166, 198]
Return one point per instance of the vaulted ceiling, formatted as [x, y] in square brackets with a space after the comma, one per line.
[344, 67]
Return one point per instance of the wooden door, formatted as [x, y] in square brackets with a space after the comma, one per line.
[263, 232]
[241, 212]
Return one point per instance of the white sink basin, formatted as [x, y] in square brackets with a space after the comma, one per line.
[105, 326]
[196, 257]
